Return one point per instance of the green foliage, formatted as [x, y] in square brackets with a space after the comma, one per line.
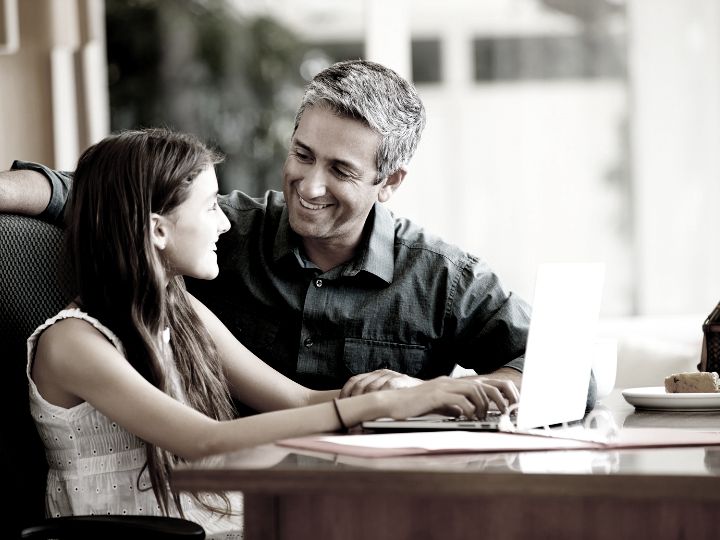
[198, 66]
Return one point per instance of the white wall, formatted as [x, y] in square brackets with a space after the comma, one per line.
[519, 177]
[675, 124]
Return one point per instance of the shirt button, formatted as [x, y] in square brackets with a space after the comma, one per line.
[318, 283]
[308, 343]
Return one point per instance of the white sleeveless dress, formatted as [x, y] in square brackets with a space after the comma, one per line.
[95, 464]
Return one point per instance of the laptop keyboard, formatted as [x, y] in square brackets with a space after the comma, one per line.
[491, 420]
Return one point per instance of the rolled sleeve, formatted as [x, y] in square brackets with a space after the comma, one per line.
[60, 183]
[517, 363]
[492, 324]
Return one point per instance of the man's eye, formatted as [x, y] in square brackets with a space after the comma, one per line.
[341, 175]
[302, 156]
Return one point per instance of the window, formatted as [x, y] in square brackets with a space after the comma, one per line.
[426, 66]
[549, 57]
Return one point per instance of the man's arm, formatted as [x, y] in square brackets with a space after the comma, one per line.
[24, 192]
[505, 331]
[35, 190]
[490, 325]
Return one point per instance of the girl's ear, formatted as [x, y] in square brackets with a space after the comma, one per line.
[158, 231]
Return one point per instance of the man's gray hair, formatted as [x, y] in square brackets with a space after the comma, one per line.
[378, 97]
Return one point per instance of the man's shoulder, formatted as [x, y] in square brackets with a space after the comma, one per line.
[416, 241]
[241, 207]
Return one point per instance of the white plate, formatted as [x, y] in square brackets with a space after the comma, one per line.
[655, 397]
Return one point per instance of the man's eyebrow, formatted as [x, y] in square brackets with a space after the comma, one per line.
[302, 145]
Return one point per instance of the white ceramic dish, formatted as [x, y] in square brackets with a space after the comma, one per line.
[655, 397]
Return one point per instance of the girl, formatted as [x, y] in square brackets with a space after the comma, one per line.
[137, 375]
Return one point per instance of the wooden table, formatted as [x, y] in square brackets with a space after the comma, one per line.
[649, 493]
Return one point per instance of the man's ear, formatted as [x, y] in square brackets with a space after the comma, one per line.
[158, 231]
[390, 184]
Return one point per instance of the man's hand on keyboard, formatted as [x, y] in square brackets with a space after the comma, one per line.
[380, 379]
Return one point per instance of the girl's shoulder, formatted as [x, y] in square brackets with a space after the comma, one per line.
[69, 330]
[64, 354]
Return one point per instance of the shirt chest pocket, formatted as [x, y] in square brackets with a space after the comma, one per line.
[365, 355]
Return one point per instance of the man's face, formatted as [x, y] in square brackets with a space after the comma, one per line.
[329, 179]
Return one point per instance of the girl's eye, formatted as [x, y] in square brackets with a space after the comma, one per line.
[214, 206]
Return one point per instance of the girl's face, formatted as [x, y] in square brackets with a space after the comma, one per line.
[193, 228]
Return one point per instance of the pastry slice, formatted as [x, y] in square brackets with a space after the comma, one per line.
[692, 382]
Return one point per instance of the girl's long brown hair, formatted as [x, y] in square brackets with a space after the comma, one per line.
[118, 183]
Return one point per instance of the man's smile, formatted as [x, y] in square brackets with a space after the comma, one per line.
[311, 206]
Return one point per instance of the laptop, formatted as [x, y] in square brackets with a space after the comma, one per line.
[558, 357]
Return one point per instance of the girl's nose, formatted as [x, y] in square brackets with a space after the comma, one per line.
[223, 222]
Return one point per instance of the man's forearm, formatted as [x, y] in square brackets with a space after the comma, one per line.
[23, 192]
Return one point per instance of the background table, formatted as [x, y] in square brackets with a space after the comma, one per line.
[648, 493]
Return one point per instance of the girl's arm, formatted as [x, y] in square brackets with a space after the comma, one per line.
[74, 362]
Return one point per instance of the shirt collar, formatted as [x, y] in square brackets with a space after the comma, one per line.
[376, 254]
[377, 251]
[286, 242]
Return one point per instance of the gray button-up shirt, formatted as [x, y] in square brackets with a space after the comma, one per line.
[408, 301]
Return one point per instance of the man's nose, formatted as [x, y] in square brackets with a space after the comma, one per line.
[313, 184]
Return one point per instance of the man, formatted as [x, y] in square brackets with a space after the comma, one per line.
[321, 281]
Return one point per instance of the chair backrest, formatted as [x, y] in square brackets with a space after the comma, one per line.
[34, 286]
